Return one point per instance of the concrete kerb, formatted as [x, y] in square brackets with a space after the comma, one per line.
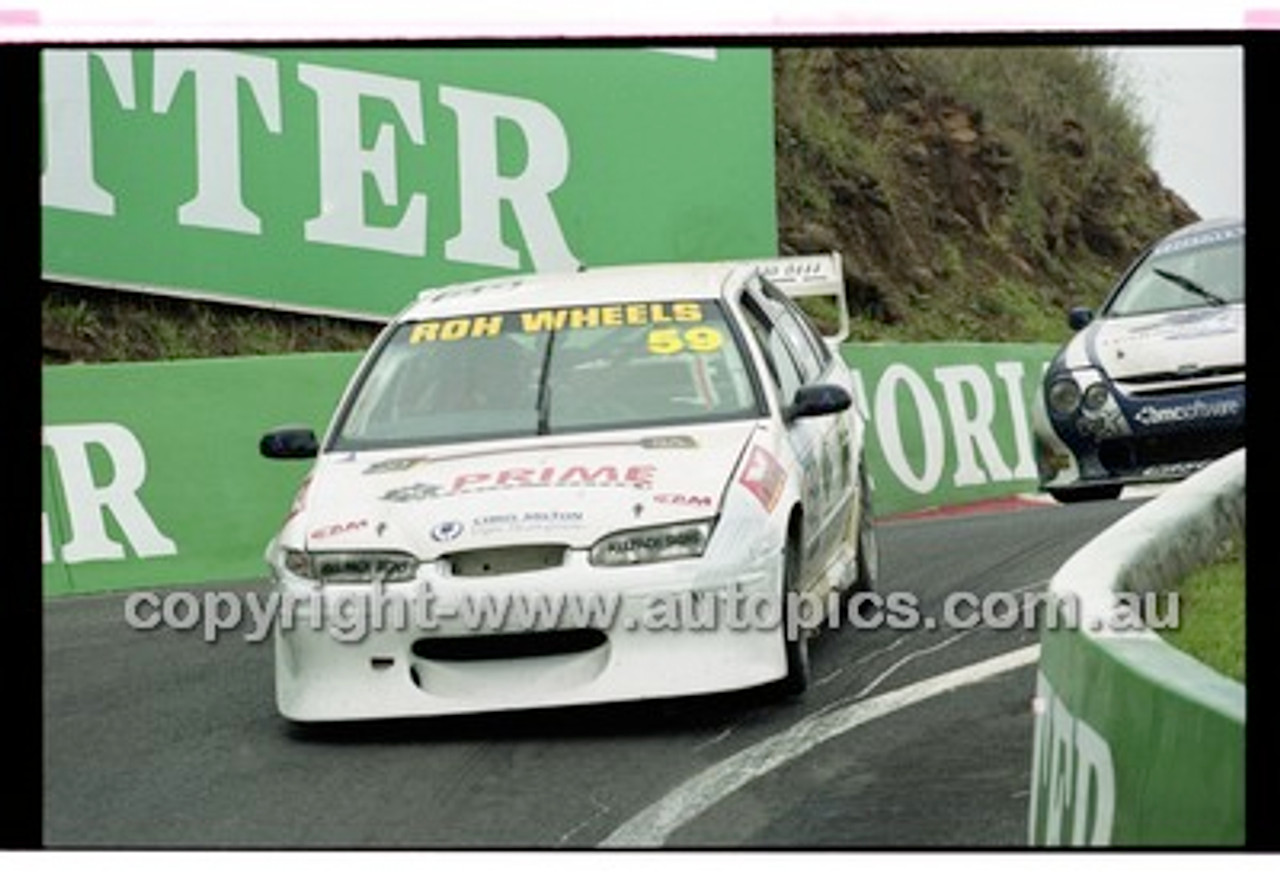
[1137, 742]
[1151, 549]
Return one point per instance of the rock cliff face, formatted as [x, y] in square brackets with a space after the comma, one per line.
[974, 193]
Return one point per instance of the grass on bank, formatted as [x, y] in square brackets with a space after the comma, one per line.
[1211, 613]
[82, 324]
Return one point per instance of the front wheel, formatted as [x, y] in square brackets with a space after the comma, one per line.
[795, 640]
[868, 549]
[1084, 494]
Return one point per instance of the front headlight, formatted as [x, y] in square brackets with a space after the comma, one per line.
[656, 544]
[350, 567]
[1063, 396]
[1095, 397]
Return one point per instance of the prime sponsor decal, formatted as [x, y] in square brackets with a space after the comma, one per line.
[578, 475]
[401, 464]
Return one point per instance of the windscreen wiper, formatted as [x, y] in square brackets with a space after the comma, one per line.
[1191, 286]
[544, 388]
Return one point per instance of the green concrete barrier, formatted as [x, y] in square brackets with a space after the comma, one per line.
[151, 476]
[949, 421]
[1137, 743]
[151, 472]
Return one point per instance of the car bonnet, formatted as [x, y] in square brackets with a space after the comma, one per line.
[1167, 342]
[570, 490]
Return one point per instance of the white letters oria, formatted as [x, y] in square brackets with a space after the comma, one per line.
[965, 433]
[88, 503]
[973, 434]
[889, 433]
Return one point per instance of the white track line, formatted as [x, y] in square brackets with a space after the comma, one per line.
[655, 823]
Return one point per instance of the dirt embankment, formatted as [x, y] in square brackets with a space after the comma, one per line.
[974, 193]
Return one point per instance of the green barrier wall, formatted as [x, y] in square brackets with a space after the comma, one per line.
[949, 420]
[1135, 747]
[349, 179]
[1136, 743]
[151, 474]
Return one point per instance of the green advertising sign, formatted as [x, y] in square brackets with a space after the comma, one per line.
[345, 181]
[152, 473]
[949, 421]
[1136, 744]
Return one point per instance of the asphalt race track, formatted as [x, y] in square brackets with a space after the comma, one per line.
[915, 739]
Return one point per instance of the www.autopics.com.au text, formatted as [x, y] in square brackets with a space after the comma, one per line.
[354, 617]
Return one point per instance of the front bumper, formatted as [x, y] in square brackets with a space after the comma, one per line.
[1136, 439]
[574, 634]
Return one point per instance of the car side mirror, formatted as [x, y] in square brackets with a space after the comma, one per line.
[289, 442]
[1079, 318]
[817, 400]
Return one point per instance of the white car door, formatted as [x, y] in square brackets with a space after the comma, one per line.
[817, 442]
[819, 364]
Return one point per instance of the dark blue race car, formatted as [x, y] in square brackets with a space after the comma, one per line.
[1153, 387]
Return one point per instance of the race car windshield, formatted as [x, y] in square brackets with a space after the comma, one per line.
[1180, 275]
[547, 371]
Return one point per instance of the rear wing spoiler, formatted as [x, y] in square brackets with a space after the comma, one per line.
[815, 275]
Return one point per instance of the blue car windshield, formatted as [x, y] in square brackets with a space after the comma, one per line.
[1184, 273]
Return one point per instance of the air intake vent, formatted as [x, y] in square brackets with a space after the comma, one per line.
[1170, 383]
[506, 560]
[534, 644]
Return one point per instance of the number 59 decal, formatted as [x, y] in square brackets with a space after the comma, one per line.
[668, 341]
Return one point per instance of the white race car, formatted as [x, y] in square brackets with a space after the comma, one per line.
[1153, 388]
[622, 483]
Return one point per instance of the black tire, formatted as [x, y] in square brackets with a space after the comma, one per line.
[796, 645]
[868, 548]
[1081, 495]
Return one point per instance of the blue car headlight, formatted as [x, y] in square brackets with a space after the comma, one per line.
[1096, 396]
[1063, 396]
